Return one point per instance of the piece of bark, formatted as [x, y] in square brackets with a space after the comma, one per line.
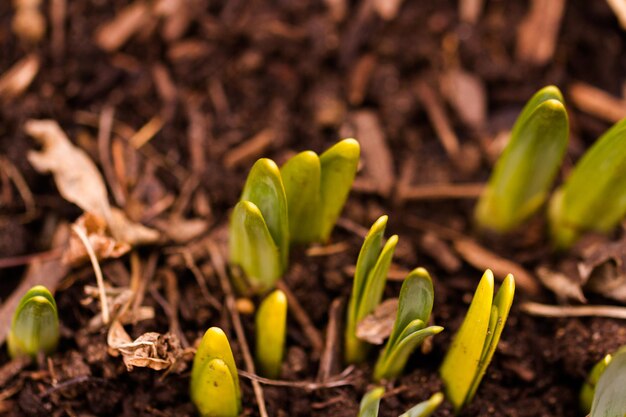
[440, 251]
[597, 102]
[251, 149]
[441, 191]
[378, 162]
[131, 19]
[482, 258]
[48, 273]
[16, 80]
[537, 34]
[359, 79]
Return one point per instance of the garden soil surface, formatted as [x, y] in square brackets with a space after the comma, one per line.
[175, 99]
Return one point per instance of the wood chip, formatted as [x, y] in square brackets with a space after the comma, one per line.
[537, 34]
[387, 9]
[440, 251]
[359, 79]
[330, 359]
[131, 19]
[466, 94]
[441, 191]
[482, 258]
[28, 23]
[147, 132]
[438, 117]
[249, 150]
[17, 79]
[469, 10]
[619, 8]
[597, 102]
[378, 162]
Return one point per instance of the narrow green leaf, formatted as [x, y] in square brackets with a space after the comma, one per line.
[526, 169]
[368, 256]
[415, 302]
[425, 408]
[264, 188]
[301, 177]
[502, 303]
[339, 165]
[35, 325]
[392, 364]
[610, 396]
[214, 345]
[593, 198]
[215, 391]
[589, 387]
[271, 327]
[371, 402]
[252, 247]
[462, 361]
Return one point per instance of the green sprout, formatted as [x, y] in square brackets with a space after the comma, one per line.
[476, 341]
[409, 329]
[371, 402]
[35, 326]
[589, 387]
[593, 198]
[370, 277]
[271, 325]
[259, 235]
[425, 408]
[524, 173]
[214, 380]
[609, 399]
[317, 188]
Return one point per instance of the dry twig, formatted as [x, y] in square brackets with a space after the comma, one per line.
[537, 309]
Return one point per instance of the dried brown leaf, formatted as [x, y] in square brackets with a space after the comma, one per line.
[377, 327]
[79, 181]
[104, 245]
[182, 230]
[563, 287]
[152, 350]
[466, 94]
[603, 268]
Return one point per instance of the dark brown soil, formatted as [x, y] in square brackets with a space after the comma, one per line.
[288, 67]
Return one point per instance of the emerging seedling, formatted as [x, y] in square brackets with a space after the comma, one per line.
[609, 399]
[475, 343]
[594, 195]
[214, 381]
[409, 329]
[425, 408]
[271, 327]
[317, 188]
[589, 387]
[259, 235]
[35, 326]
[524, 173]
[371, 402]
[370, 277]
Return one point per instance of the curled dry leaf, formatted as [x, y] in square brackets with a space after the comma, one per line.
[603, 268]
[103, 245]
[152, 350]
[563, 287]
[377, 327]
[79, 181]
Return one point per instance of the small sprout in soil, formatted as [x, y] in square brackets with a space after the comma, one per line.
[609, 399]
[593, 198]
[409, 329]
[589, 387]
[524, 173]
[370, 402]
[214, 381]
[259, 234]
[317, 188]
[370, 277]
[425, 408]
[476, 341]
[35, 326]
[271, 328]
